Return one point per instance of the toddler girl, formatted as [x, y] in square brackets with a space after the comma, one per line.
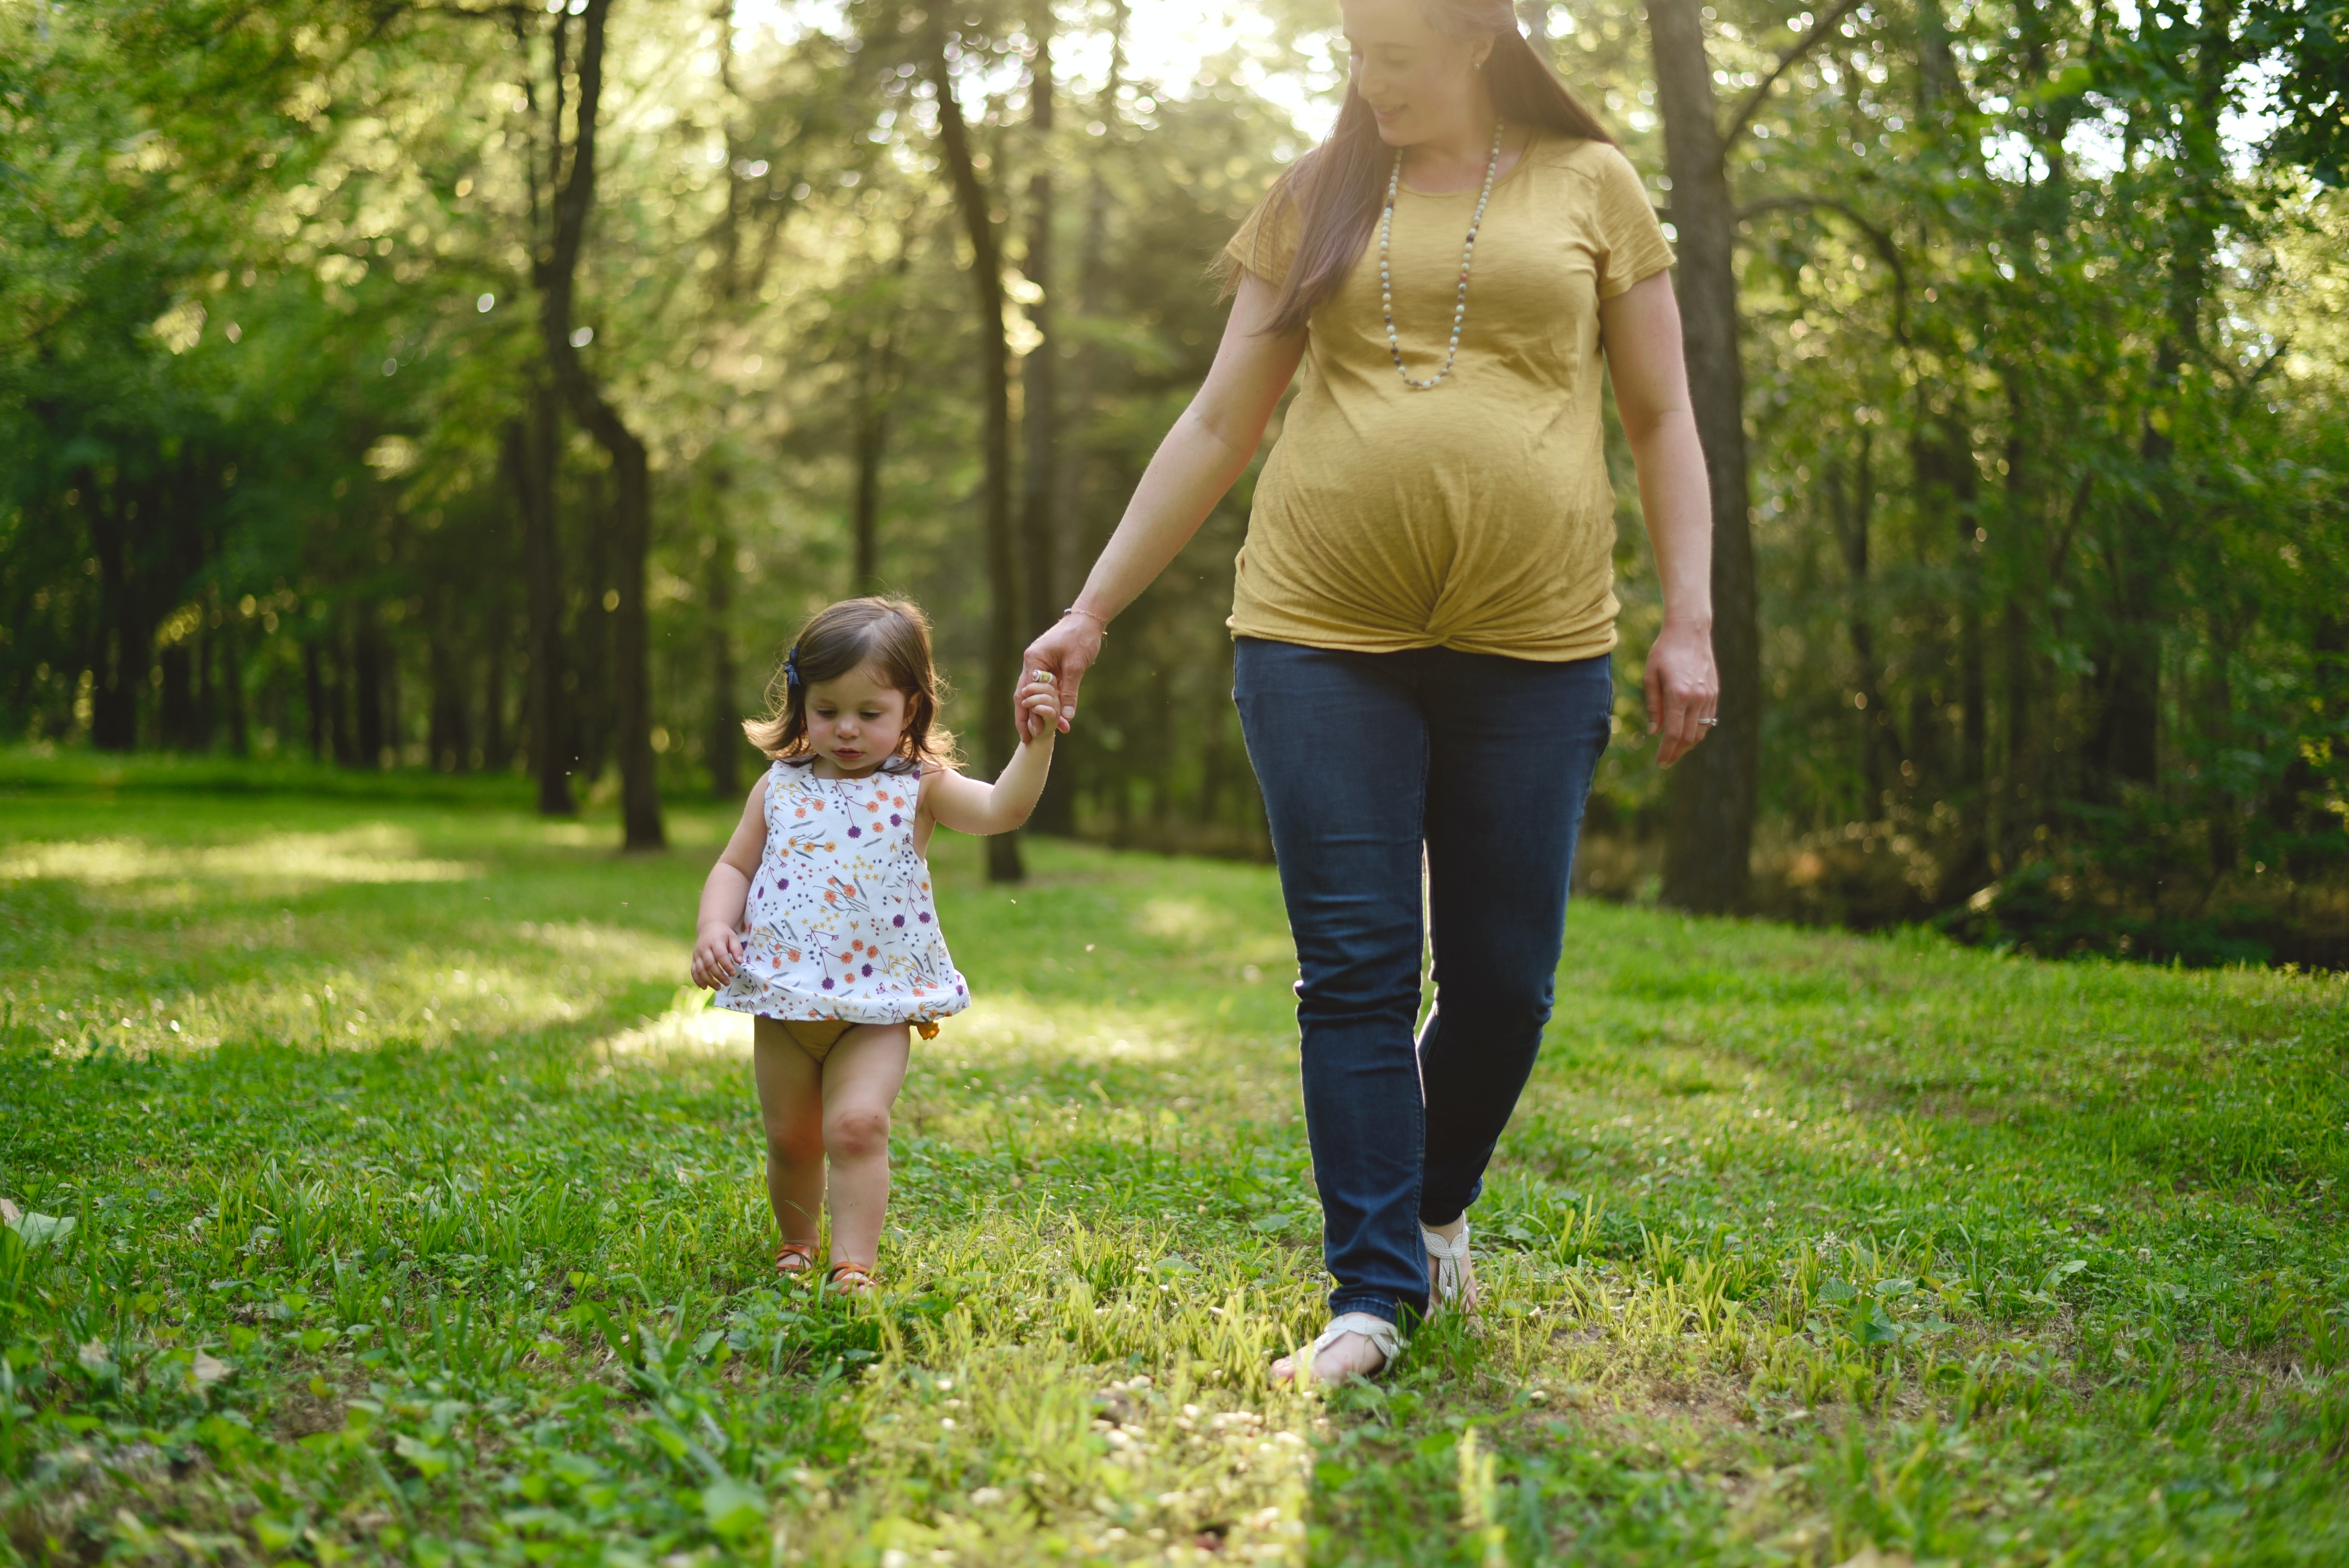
[818, 918]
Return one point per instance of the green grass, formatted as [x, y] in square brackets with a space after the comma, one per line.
[415, 1215]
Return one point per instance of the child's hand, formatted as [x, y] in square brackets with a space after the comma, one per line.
[717, 956]
[1038, 706]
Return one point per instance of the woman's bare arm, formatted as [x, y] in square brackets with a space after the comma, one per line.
[1641, 327]
[1208, 447]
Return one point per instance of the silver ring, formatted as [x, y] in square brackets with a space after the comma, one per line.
[1708, 721]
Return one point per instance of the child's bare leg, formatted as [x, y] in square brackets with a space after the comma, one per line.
[861, 1079]
[790, 1104]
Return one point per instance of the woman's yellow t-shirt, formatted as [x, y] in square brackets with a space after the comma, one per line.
[1477, 515]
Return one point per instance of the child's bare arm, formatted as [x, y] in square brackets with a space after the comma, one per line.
[718, 941]
[968, 806]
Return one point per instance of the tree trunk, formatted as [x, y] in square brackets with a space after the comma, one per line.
[591, 637]
[631, 515]
[1038, 388]
[1039, 523]
[314, 693]
[338, 700]
[1055, 812]
[448, 741]
[120, 658]
[871, 442]
[2016, 788]
[725, 742]
[232, 688]
[876, 390]
[1853, 527]
[1947, 478]
[366, 682]
[1710, 836]
[494, 755]
[997, 737]
[175, 716]
[531, 444]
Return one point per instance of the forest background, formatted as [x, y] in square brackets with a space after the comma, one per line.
[492, 387]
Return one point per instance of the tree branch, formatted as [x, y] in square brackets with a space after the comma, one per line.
[1881, 238]
[1753, 101]
[2061, 556]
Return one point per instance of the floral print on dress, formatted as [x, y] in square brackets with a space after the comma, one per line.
[840, 922]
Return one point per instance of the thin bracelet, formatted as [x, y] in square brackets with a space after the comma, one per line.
[1088, 615]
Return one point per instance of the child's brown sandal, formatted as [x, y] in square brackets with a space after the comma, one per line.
[851, 1279]
[793, 1259]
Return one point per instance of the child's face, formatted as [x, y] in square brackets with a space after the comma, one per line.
[855, 721]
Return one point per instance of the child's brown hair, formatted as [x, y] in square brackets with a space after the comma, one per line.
[892, 635]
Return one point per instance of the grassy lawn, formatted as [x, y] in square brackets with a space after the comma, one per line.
[384, 1196]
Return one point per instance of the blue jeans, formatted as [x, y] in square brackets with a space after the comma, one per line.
[1365, 759]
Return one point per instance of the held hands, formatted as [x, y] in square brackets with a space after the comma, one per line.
[1684, 688]
[717, 955]
[1038, 707]
[1063, 653]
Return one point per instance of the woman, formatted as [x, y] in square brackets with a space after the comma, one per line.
[1424, 608]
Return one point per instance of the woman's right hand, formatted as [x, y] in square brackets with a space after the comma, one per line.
[717, 956]
[1065, 652]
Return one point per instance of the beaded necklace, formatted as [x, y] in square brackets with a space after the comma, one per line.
[1467, 255]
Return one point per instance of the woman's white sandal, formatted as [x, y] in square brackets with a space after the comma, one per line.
[1451, 1279]
[1377, 1330]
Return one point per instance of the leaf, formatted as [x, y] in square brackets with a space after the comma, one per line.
[41, 1229]
[208, 1370]
[1273, 1222]
[1891, 1289]
[2060, 1273]
[732, 1508]
[1836, 1291]
[429, 1461]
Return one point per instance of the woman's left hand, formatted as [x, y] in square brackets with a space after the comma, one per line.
[1064, 652]
[1684, 688]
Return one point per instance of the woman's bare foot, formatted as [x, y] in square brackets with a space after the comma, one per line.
[1357, 1344]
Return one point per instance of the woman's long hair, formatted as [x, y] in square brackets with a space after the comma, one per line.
[1334, 191]
[888, 634]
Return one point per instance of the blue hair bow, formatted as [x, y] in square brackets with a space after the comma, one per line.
[792, 681]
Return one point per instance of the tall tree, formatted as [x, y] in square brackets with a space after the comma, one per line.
[1039, 402]
[530, 454]
[630, 518]
[1716, 789]
[1713, 791]
[879, 357]
[997, 734]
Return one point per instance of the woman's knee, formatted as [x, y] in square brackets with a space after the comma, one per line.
[1497, 1010]
[856, 1133]
[1359, 973]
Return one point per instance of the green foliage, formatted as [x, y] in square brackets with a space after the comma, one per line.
[2043, 351]
[379, 1196]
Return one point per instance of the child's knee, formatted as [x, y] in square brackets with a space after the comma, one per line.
[798, 1145]
[857, 1133]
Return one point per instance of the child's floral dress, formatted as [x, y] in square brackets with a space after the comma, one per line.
[840, 924]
